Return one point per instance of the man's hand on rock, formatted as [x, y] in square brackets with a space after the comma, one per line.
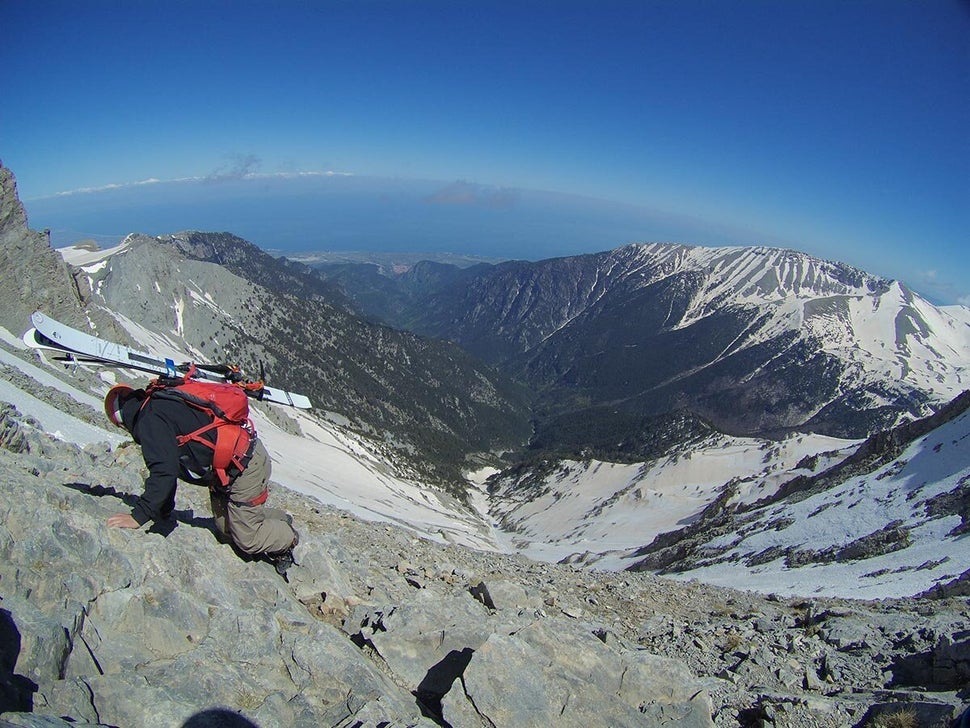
[122, 520]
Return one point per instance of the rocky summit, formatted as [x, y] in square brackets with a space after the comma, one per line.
[378, 627]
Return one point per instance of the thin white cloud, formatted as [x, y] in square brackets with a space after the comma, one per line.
[104, 188]
[181, 180]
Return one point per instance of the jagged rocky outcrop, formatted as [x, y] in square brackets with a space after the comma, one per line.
[32, 274]
[379, 627]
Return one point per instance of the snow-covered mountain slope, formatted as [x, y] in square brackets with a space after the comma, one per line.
[758, 341]
[596, 512]
[342, 470]
[881, 328]
[799, 516]
[892, 520]
[86, 254]
[822, 545]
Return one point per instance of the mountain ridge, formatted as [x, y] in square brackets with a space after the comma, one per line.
[755, 340]
[431, 395]
[162, 297]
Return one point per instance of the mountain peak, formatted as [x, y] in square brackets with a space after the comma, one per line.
[13, 217]
[32, 274]
[758, 273]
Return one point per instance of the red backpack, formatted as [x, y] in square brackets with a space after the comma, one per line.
[226, 403]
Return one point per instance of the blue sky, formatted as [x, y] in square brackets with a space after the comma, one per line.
[834, 127]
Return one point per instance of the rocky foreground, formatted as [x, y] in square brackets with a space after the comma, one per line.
[376, 627]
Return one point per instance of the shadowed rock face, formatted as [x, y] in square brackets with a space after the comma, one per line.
[168, 626]
[32, 274]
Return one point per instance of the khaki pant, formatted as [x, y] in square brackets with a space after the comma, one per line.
[256, 529]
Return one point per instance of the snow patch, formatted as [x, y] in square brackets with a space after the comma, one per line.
[604, 510]
[84, 254]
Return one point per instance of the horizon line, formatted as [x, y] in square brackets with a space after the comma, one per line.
[177, 180]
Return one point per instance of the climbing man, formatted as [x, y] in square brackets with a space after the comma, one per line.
[183, 436]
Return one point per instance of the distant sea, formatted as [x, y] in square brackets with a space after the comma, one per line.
[349, 213]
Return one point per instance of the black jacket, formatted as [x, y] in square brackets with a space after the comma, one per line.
[156, 427]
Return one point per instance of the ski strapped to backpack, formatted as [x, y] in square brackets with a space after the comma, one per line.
[81, 348]
[227, 404]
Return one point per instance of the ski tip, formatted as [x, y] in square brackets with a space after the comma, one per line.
[37, 318]
[300, 401]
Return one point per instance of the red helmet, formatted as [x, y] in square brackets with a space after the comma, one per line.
[114, 400]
